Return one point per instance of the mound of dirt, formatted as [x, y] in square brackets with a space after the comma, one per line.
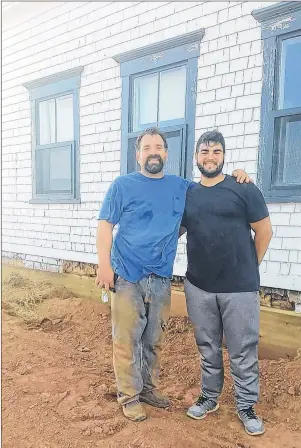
[59, 388]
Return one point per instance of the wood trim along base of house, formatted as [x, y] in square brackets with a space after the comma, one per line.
[280, 331]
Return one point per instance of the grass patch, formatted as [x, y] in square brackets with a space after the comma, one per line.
[21, 295]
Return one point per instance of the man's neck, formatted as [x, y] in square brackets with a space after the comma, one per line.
[152, 176]
[211, 181]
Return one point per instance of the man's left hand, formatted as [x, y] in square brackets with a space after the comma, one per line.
[241, 176]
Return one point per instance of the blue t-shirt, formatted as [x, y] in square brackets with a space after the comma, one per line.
[148, 212]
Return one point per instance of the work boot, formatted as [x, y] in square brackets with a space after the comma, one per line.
[253, 424]
[134, 411]
[202, 408]
[154, 398]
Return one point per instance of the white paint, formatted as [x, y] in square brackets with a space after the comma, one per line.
[66, 255]
[47, 38]
[281, 24]
[292, 282]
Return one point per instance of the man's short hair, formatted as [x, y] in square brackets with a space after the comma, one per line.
[150, 131]
[211, 136]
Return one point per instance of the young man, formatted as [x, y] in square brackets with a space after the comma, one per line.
[148, 207]
[222, 279]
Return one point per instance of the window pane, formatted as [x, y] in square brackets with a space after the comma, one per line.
[290, 74]
[60, 169]
[174, 160]
[132, 164]
[42, 171]
[288, 170]
[145, 101]
[53, 170]
[64, 118]
[172, 94]
[47, 121]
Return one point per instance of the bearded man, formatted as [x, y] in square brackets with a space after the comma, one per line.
[222, 279]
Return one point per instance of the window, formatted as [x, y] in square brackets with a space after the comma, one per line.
[152, 109]
[55, 137]
[159, 89]
[280, 139]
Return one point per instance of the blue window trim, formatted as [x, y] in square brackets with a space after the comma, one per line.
[182, 49]
[277, 21]
[64, 83]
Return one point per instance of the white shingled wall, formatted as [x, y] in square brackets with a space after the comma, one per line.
[54, 37]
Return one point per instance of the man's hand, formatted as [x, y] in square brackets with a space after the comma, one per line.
[241, 176]
[105, 277]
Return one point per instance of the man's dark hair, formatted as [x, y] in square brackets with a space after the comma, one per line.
[150, 131]
[211, 136]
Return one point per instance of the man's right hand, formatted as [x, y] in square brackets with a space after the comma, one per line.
[105, 277]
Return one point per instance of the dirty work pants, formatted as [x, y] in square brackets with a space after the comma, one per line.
[237, 314]
[139, 315]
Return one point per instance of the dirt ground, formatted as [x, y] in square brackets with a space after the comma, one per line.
[58, 388]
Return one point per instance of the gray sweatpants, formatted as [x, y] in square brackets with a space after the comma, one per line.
[237, 315]
[139, 316]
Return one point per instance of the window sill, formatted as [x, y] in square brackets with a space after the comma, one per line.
[54, 201]
[281, 199]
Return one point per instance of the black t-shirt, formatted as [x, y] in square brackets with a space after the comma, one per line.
[220, 247]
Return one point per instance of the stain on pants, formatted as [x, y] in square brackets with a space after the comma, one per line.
[139, 315]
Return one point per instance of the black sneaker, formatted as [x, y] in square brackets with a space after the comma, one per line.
[253, 424]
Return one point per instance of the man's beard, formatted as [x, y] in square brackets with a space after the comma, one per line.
[154, 168]
[211, 174]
